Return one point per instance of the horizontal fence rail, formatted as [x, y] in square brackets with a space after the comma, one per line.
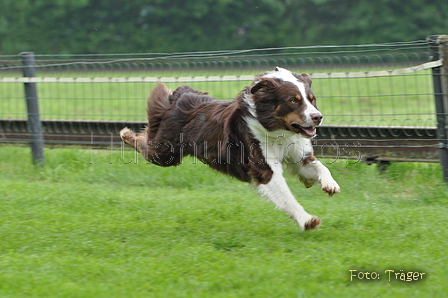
[225, 78]
[376, 99]
[341, 142]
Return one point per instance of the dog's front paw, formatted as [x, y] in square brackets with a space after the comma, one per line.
[312, 223]
[127, 136]
[330, 186]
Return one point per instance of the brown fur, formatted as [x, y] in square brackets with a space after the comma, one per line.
[189, 122]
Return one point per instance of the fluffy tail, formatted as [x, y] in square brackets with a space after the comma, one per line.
[161, 100]
[158, 103]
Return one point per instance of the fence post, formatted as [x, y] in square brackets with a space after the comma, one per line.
[438, 45]
[32, 104]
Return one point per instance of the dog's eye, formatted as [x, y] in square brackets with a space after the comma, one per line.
[295, 99]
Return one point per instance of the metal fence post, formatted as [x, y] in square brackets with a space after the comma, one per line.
[438, 45]
[32, 104]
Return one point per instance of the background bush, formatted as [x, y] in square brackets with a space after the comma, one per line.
[99, 26]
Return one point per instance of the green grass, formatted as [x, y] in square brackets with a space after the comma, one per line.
[90, 225]
[405, 100]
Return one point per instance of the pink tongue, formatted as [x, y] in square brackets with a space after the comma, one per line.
[310, 131]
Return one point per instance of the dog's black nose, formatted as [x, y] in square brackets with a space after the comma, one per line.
[316, 117]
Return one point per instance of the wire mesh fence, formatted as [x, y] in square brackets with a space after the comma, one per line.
[371, 89]
[78, 93]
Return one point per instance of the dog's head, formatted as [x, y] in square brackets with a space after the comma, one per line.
[284, 100]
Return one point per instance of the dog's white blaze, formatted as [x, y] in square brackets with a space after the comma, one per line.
[286, 75]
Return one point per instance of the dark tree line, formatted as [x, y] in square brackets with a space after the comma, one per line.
[100, 26]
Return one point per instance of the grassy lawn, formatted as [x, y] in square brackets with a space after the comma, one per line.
[90, 224]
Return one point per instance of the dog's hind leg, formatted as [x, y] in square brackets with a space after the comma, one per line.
[161, 154]
[138, 142]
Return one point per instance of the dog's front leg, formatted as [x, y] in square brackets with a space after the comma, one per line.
[278, 192]
[315, 172]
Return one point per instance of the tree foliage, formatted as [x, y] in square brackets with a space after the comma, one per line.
[100, 26]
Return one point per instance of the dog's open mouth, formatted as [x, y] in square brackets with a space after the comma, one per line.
[308, 132]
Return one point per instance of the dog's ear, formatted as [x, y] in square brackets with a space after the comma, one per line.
[306, 78]
[257, 87]
[262, 84]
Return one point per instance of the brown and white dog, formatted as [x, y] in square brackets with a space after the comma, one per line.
[268, 126]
